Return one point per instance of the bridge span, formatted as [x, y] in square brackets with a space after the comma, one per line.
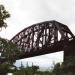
[43, 38]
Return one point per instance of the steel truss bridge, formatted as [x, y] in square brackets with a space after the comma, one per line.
[43, 38]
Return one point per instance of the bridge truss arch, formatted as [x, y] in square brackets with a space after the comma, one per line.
[42, 38]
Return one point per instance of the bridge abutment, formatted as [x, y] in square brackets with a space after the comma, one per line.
[69, 50]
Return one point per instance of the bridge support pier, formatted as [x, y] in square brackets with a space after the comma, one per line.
[69, 50]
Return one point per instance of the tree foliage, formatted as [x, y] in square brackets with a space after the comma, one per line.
[3, 15]
[9, 53]
[8, 50]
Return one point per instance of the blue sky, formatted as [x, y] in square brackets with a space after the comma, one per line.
[27, 12]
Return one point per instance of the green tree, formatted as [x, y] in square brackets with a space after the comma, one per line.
[4, 68]
[57, 69]
[3, 15]
[26, 70]
[9, 51]
[66, 68]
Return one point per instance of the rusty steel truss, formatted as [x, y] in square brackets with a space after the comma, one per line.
[42, 38]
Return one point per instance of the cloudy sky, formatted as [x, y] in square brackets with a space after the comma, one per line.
[27, 12]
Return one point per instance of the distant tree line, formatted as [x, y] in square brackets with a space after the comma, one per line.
[65, 68]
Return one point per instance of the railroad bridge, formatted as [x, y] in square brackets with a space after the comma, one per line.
[43, 38]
